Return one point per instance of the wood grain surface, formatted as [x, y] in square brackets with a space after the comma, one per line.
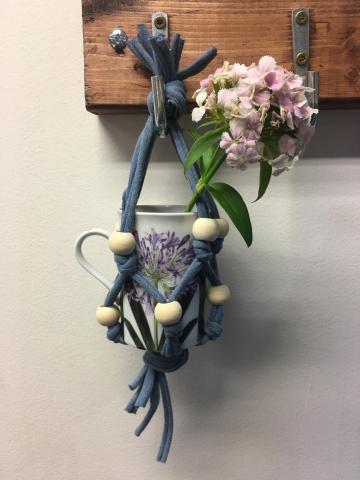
[242, 31]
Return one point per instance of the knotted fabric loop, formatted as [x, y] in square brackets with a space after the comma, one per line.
[127, 267]
[126, 264]
[175, 100]
[214, 327]
[115, 333]
[203, 251]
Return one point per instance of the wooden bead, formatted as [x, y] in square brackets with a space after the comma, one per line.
[107, 316]
[168, 313]
[122, 243]
[223, 226]
[205, 229]
[218, 295]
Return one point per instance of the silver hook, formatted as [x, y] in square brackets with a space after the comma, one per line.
[313, 82]
[158, 89]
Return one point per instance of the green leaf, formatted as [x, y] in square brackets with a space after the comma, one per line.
[200, 146]
[140, 317]
[185, 300]
[194, 134]
[232, 202]
[187, 330]
[162, 341]
[264, 178]
[134, 335]
[210, 122]
[208, 158]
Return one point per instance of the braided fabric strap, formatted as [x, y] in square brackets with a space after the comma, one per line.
[151, 385]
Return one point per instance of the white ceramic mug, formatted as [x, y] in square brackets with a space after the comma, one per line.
[164, 251]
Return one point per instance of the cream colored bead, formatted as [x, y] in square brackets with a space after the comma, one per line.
[122, 243]
[107, 316]
[168, 313]
[117, 227]
[205, 229]
[218, 295]
[223, 226]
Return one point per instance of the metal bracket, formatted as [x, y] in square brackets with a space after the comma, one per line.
[160, 24]
[300, 21]
[300, 32]
[160, 27]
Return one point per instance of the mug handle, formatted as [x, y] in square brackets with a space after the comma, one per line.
[82, 260]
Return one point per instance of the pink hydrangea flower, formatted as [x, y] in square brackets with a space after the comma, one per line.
[265, 109]
[205, 83]
[289, 145]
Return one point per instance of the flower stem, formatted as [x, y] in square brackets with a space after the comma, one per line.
[203, 182]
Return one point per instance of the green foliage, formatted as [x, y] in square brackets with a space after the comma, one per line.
[140, 318]
[234, 205]
[205, 161]
[264, 178]
[201, 145]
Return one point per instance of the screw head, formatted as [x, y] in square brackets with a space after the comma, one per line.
[160, 22]
[118, 39]
[301, 58]
[301, 17]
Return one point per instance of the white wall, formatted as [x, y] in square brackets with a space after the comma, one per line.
[276, 398]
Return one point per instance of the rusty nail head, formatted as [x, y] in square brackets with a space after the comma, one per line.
[301, 17]
[301, 58]
[160, 22]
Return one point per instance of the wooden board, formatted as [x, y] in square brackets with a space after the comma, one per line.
[242, 31]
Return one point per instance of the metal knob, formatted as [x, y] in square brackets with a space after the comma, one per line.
[118, 40]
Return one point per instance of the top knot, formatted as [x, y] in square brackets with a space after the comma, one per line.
[175, 99]
[160, 59]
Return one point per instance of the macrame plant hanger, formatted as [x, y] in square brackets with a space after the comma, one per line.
[150, 385]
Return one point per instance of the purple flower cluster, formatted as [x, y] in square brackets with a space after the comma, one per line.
[163, 258]
[265, 111]
[241, 143]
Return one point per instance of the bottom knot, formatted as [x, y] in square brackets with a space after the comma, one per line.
[163, 364]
